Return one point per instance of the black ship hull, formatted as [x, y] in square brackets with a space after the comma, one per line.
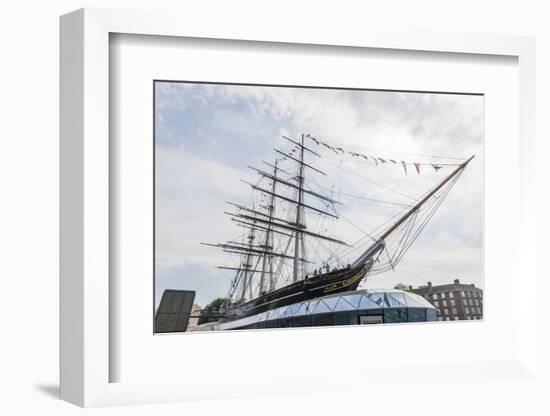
[340, 280]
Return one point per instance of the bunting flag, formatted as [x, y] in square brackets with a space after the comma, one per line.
[377, 160]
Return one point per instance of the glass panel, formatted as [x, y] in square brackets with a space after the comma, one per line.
[302, 320]
[285, 323]
[331, 302]
[417, 315]
[325, 319]
[367, 303]
[312, 305]
[395, 315]
[322, 307]
[396, 300]
[353, 300]
[345, 318]
[414, 301]
[376, 298]
[274, 323]
[301, 309]
[343, 305]
[294, 308]
[283, 311]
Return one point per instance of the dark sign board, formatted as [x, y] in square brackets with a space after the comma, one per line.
[174, 311]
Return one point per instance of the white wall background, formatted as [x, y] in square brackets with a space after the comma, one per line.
[29, 181]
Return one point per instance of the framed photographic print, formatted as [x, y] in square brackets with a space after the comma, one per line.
[317, 225]
[300, 213]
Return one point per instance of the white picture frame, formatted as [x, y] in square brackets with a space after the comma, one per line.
[85, 178]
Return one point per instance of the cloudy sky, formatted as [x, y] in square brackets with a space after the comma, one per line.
[206, 135]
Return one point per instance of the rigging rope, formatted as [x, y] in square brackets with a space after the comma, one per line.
[378, 184]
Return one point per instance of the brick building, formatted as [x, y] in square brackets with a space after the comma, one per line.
[455, 301]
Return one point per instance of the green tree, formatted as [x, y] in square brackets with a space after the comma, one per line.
[401, 286]
[212, 308]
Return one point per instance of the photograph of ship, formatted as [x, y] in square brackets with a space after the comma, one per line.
[280, 207]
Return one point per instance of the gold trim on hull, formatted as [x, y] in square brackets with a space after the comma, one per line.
[348, 282]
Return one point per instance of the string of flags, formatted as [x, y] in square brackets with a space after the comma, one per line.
[378, 160]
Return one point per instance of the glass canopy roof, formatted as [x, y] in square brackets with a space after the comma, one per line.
[366, 299]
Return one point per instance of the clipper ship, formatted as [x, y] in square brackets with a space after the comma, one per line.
[274, 268]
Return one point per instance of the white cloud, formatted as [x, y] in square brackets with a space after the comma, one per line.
[190, 195]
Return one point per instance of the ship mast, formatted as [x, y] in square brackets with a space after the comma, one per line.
[247, 266]
[268, 234]
[298, 239]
